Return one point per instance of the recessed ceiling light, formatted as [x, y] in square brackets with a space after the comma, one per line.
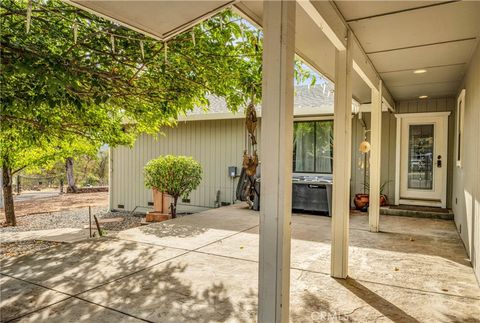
[420, 71]
[423, 96]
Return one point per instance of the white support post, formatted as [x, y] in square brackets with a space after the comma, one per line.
[375, 155]
[276, 156]
[342, 137]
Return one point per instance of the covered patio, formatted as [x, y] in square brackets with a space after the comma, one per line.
[231, 264]
[204, 268]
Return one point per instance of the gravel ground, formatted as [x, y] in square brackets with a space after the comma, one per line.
[20, 248]
[75, 218]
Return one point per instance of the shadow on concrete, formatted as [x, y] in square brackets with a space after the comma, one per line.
[315, 309]
[379, 303]
[163, 294]
[111, 280]
[72, 268]
[457, 319]
[248, 307]
[449, 249]
[436, 238]
[163, 230]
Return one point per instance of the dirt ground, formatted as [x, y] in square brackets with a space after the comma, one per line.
[59, 203]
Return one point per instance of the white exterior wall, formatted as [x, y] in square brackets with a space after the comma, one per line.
[216, 144]
[466, 179]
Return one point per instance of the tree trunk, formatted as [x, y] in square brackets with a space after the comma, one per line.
[8, 196]
[70, 178]
[174, 207]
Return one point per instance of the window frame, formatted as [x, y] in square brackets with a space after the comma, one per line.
[460, 117]
[314, 120]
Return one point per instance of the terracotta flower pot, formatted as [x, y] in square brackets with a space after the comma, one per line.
[157, 200]
[383, 200]
[360, 201]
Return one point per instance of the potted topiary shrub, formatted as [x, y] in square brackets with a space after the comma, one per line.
[173, 175]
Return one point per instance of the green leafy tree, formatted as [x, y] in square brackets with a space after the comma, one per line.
[174, 175]
[75, 77]
[62, 97]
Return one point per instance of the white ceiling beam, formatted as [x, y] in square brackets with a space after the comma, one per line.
[326, 18]
[364, 68]
[331, 22]
[363, 75]
[388, 98]
[367, 107]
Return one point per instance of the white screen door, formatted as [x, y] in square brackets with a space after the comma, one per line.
[423, 159]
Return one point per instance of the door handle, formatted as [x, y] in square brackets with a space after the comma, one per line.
[439, 161]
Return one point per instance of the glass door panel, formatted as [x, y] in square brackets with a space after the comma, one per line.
[420, 156]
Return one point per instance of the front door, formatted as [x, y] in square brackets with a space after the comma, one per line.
[423, 159]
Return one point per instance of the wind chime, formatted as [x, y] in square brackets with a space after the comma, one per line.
[364, 148]
[250, 157]
[247, 189]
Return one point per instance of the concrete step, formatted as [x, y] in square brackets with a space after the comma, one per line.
[417, 212]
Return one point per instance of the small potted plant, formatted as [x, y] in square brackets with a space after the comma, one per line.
[173, 175]
[361, 200]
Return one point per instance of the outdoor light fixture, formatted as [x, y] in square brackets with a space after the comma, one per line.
[423, 96]
[420, 71]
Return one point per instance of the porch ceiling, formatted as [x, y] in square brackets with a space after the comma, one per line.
[400, 37]
[158, 19]
[164, 19]
[397, 36]
[311, 45]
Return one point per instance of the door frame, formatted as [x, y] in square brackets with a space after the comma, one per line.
[400, 117]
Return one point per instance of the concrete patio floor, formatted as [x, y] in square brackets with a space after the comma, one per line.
[203, 268]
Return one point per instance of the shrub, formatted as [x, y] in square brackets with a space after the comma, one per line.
[174, 175]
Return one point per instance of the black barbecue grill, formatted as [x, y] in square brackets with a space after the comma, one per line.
[312, 193]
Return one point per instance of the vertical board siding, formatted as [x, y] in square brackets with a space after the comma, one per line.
[358, 165]
[389, 143]
[387, 172]
[215, 144]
